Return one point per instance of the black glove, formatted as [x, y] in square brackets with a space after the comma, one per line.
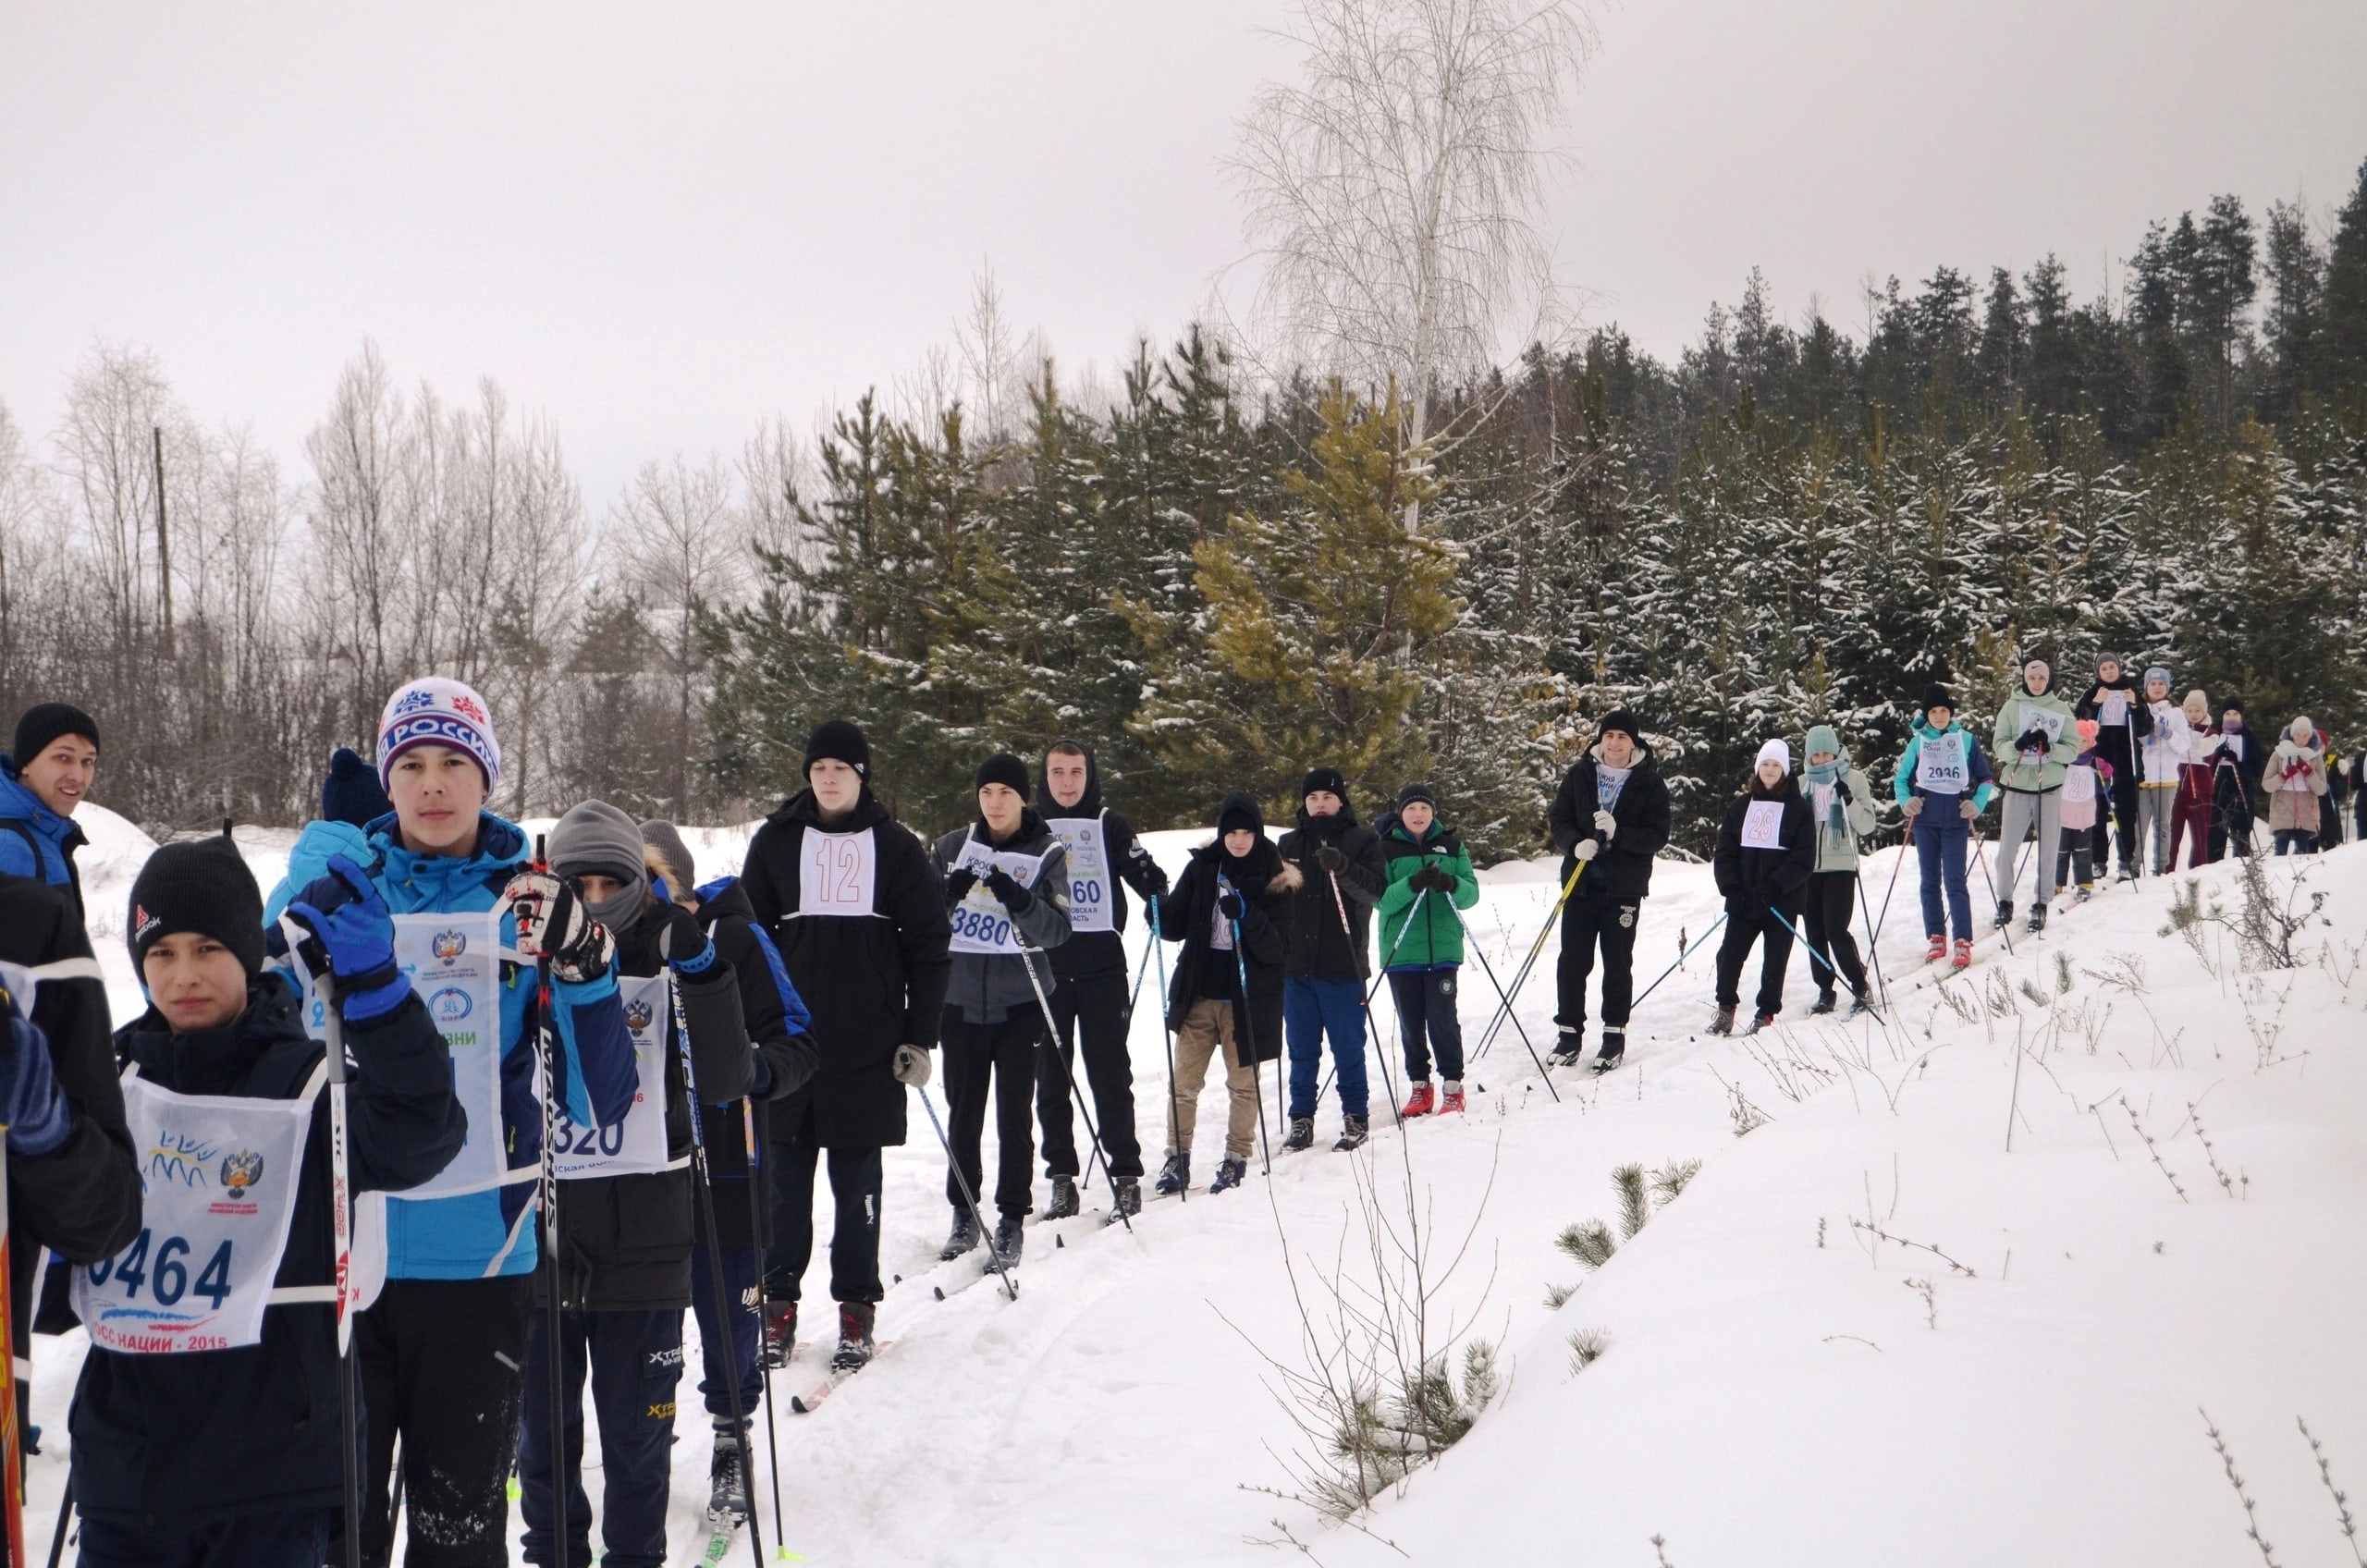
[683, 941]
[1006, 889]
[958, 886]
[1155, 879]
[1435, 878]
[1330, 857]
[2032, 740]
[1228, 904]
[1841, 788]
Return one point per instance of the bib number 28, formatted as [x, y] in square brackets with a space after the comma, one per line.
[166, 1275]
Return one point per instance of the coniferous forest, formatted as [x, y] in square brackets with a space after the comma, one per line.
[1218, 579]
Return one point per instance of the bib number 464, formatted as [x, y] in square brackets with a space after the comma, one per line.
[166, 1276]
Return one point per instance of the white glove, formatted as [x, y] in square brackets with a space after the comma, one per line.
[1585, 851]
[552, 920]
[912, 1065]
[1606, 825]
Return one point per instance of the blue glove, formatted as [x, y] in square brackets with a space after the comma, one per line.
[37, 1115]
[352, 936]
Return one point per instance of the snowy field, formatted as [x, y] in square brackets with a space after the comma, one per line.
[2013, 1372]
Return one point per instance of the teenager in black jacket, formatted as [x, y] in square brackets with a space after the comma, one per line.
[1237, 884]
[2123, 720]
[1612, 813]
[1766, 853]
[1341, 877]
[207, 1421]
[2238, 759]
[627, 1215]
[858, 912]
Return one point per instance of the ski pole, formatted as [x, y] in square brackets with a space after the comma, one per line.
[65, 1513]
[1052, 1044]
[1679, 964]
[1980, 855]
[1873, 948]
[1520, 976]
[1471, 941]
[1793, 926]
[1374, 990]
[547, 1194]
[1166, 1038]
[703, 1193]
[1906, 842]
[1247, 1048]
[993, 1258]
[1340, 903]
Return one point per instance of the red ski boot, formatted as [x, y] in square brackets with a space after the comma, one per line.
[1451, 1098]
[1938, 950]
[1964, 955]
[1423, 1102]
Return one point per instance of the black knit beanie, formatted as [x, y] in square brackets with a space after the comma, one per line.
[837, 739]
[1240, 811]
[200, 885]
[1622, 721]
[1936, 697]
[1004, 769]
[1421, 793]
[351, 792]
[44, 722]
[1329, 779]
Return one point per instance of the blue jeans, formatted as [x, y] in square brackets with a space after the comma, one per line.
[1941, 836]
[1312, 1009]
[739, 1329]
[635, 1359]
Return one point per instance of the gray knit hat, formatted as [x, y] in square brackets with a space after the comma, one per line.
[597, 839]
[666, 840]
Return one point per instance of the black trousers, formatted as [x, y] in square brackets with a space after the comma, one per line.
[1428, 1021]
[997, 1059]
[1832, 901]
[636, 1363]
[1094, 1008]
[2123, 819]
[855, 1235]
[442, 1363]
[1745, 926]
[1586, 924]
[292, 1537]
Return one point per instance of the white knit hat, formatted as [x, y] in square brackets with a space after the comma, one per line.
[1779, 752]
[438, 712]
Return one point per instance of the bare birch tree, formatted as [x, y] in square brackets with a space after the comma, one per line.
[678, 536]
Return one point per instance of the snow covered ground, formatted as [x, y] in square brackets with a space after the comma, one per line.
[2015, 1375]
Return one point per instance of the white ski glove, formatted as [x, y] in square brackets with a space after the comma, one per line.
[1606, 825]
[912, 1066]
[552, 920]
[1585, 851]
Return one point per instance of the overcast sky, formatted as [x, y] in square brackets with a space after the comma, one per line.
[659, 223]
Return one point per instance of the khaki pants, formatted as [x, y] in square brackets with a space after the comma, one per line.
[1206, 1027]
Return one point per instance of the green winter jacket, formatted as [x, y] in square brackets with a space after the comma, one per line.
[1434, 940]
[2021, 712]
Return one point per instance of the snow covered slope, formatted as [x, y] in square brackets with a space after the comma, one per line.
[1776, 1385]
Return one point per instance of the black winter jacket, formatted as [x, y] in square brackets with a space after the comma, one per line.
[1622, 872]
[625, 1240]
[1090, 954]
[989, 987]
[871, 984]
[82, 1198]
[1750, 879]
[169, 1441]
[786, 1056]
[1187, 914]
[2117, 743]
[1320, 948]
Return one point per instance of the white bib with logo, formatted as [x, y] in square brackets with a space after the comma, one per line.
[1941, 766]
[218, 1173]
[1093, 892]
[635, 1145]
[2079, 784]
[980, 923]
[837, 873]
[1763, 825]
[454, 962]
[2046, 721]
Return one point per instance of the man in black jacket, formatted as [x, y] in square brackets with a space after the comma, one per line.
[858, 912]
[1091, 999]
[626, 1217]
[1007, 894]
[207, 1420]
[1340, 876]
[1612, 815]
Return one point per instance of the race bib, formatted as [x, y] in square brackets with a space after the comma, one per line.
[1763, 825]
[980, 923]
[218, 1174]
[454, 962]
[2046, 721]
[2114, 709]
[1093, 893]
[635, 1145]
[837, 873]
[2079, 784]
[1941, 764]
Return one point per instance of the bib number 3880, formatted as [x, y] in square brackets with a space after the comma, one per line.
[980, 925]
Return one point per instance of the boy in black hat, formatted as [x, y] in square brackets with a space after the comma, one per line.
[1610, 816]
[1341, 877]
[43, 780]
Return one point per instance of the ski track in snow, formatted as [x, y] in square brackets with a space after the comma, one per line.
[1774, 1391]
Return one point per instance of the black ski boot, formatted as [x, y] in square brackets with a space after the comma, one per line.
[2038, 917]
[727, 1478]
[1567, 1050]
[1614, 1050]
[1010, 1238]
[1175, 1175]
[1721, 1021]
[1860, 1004]
[1825, 1002]
[964, 1237]
[1353, 1132]
[781, 1333]
[1302, 1135]
[2004, 914]
[855, 1349]
[1231, 1171]
[1064, 1203]
[1761, 1021]
[1129, 1198]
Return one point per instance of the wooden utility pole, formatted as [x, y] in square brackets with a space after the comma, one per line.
[164, 543]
